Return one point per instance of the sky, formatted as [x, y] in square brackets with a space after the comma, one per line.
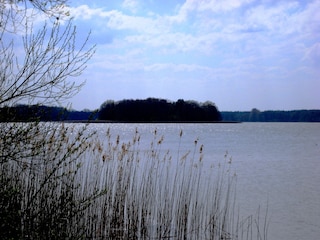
[239, 54]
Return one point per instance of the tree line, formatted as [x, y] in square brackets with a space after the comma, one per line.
[272, 116]
[27, 113]
[153, 109]
[148, 110]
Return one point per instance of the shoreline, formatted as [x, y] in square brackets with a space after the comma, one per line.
[109, 121]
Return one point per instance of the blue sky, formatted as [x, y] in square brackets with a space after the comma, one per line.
[239, 54]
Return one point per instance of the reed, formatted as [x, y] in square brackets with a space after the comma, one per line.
[81, 186]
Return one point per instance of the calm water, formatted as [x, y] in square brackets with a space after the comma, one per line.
[277, 164]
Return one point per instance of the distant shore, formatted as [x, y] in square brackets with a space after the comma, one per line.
[109, 121]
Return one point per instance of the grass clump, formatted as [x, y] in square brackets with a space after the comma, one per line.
[78, 185]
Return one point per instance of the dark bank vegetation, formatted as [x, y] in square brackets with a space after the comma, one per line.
[153, 110]
[148, 110]
[27, 113]
[272, 116]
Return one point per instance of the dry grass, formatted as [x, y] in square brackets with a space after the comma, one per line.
[78, 186]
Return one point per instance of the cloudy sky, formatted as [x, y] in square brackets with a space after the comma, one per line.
[239, 54]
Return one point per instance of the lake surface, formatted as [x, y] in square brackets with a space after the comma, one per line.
[277, 166]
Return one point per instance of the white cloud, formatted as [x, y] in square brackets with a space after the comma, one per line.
[233, 40]
[313, 54]
[237, 42]
[177, 67]
[172, 42]
[277, 18]
[285, 17]
[119, 21]
[309, 19]
[131, 5]
[85, 12]
[221, 5]
[211, 5]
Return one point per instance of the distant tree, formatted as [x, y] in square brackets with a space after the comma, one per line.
[180, 109]
[153, 109]
[106, 110]
[211, 111]
[273, 116]
[254, 115]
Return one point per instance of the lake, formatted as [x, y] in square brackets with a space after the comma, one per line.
[277, 166]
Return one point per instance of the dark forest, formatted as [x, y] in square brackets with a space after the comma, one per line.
[158, 110]
[153, 110]
[272, 116]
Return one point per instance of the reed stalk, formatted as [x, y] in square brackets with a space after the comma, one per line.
[76, 185]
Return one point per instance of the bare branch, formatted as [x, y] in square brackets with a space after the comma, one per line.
[36, 64]
[51, 56]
